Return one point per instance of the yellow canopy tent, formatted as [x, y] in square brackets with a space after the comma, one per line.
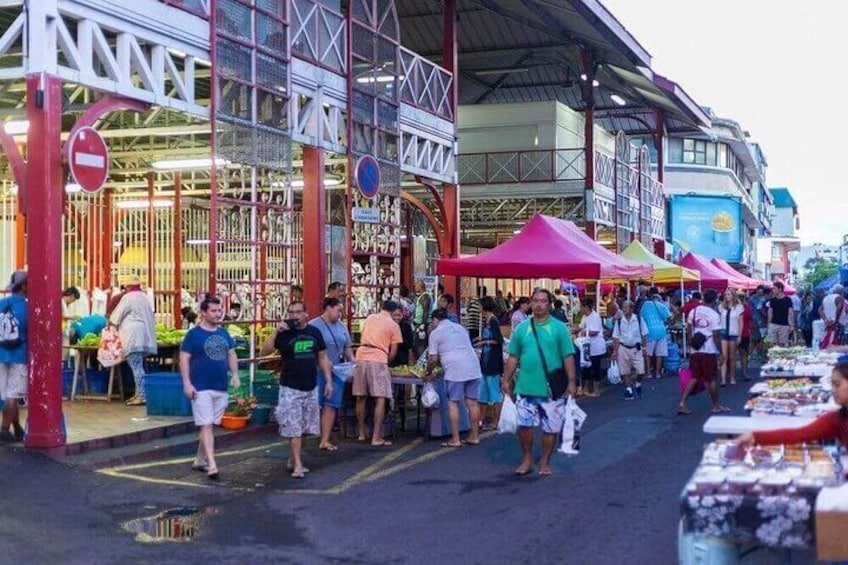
[665, 272]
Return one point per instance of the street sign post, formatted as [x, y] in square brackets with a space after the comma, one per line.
[88, 158]
[368, 176]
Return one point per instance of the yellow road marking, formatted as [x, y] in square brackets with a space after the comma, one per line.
[118, 474]
[190, 459]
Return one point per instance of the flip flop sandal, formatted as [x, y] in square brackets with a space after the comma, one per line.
[545, 473]
[452, 445]
[686, 412]
[212, 474]
[329, 448]
[720, 410]
[383, 443]
[298, 474]
[524, 473]
[471, 443]
[200, 468]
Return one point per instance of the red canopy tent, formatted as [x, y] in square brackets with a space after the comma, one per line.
[711, 276]
[744, 282]
[547, 248]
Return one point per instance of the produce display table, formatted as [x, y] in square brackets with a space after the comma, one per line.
[83, 355]
[735, 425]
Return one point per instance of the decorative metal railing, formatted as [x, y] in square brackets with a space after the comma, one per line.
[508, 167]
[318, 35]
[425, 84]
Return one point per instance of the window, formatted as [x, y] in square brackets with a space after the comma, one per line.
[675, 150]
[695, 151]
[722, 155]
[711, 154]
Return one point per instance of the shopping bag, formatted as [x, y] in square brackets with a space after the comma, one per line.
[613, 374]
[572, 423]
[685, 376]
[508, 424]
[429, 396]
[582, 345]
[110, 352]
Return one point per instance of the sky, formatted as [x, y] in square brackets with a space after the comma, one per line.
[778, 69]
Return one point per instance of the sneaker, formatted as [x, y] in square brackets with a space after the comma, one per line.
[638, 391]
[628, 395]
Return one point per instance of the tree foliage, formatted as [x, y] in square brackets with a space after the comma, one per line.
[820, 272]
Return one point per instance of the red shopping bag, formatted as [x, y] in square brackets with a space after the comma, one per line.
[685, 375]
[110, 352]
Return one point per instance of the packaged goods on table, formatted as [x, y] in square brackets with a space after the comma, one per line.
[799, 361]
[761, 496]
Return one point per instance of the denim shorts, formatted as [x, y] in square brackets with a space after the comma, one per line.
[463, 390]
[334, 401]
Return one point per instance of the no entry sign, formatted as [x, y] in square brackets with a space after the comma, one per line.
[89, 159]
[368, 176]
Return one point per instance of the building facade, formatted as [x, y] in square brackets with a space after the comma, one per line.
[785, 245]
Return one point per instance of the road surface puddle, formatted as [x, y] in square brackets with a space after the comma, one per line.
[174, 524]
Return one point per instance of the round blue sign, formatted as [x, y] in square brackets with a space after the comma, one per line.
[368, 176]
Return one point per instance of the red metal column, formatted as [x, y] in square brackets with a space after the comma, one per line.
[178, 250]
[450, 225]
[587, 65]
[659, 143]
[314, 220]
[105, 282]
[44, 257]
[151, 232]
[450, 53]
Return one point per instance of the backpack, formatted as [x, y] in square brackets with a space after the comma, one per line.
[10, 329]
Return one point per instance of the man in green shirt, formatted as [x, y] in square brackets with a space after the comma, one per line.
[530, 391]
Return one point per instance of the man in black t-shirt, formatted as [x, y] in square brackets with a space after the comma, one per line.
[781, 317]
[302, 352]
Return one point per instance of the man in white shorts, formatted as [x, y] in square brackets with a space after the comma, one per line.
[629, 335]
[207, 351]
[14, 373]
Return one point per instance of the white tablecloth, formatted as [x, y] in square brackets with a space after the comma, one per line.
[733, 425]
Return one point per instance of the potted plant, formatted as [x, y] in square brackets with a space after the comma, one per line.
[238, 413]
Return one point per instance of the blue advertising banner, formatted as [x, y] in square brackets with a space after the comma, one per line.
[710, 226]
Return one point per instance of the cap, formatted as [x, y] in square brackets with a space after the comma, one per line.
[18, 278]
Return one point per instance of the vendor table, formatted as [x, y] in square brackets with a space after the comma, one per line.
[734, 425]
[81, 359]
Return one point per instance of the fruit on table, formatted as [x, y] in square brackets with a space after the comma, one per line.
[89, 340]
[169, 337]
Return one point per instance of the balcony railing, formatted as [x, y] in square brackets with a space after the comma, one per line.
[318, 34]
[425, 85]
[509, 167]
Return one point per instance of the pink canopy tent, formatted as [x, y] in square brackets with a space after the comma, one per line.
[547, 248]
[745, 282]
[786, 288]
[711, 276]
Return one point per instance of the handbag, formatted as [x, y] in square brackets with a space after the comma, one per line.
[557, 380]
[110, 352]
[698, 339]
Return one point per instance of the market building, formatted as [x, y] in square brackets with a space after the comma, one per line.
[719, 203]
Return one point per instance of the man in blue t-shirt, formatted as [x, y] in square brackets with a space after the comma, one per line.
[206, 353]
[14, 373]
[655, 315]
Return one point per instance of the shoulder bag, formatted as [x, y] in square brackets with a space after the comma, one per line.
[557, 380]
[698, 339]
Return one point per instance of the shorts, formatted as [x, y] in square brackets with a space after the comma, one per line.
[334, 401]
[490, 390]
[208, 407]
[658, 348]
[297, 412]
[14, 380]
[725, 337]
[463, 390]
[744, 343]
[704, 367]
[630, 360]
[534, 411]
[778, 335]
[372, 379]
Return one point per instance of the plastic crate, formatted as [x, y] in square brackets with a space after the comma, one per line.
[98, 382]
[165, 395]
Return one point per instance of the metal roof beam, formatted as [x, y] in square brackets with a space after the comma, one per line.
[503, 78]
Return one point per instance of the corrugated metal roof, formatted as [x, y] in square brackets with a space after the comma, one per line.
[537, 44]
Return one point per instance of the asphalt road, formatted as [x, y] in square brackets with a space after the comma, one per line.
[616, 502]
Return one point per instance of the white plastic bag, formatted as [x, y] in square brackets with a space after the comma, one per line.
[572, 422]
[429, 396]
[613, 374]
[582, 345]
[508, 424]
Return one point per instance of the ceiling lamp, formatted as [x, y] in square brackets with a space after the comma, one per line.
[618, 100]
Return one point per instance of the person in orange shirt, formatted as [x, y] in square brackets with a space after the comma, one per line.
[380, 339]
